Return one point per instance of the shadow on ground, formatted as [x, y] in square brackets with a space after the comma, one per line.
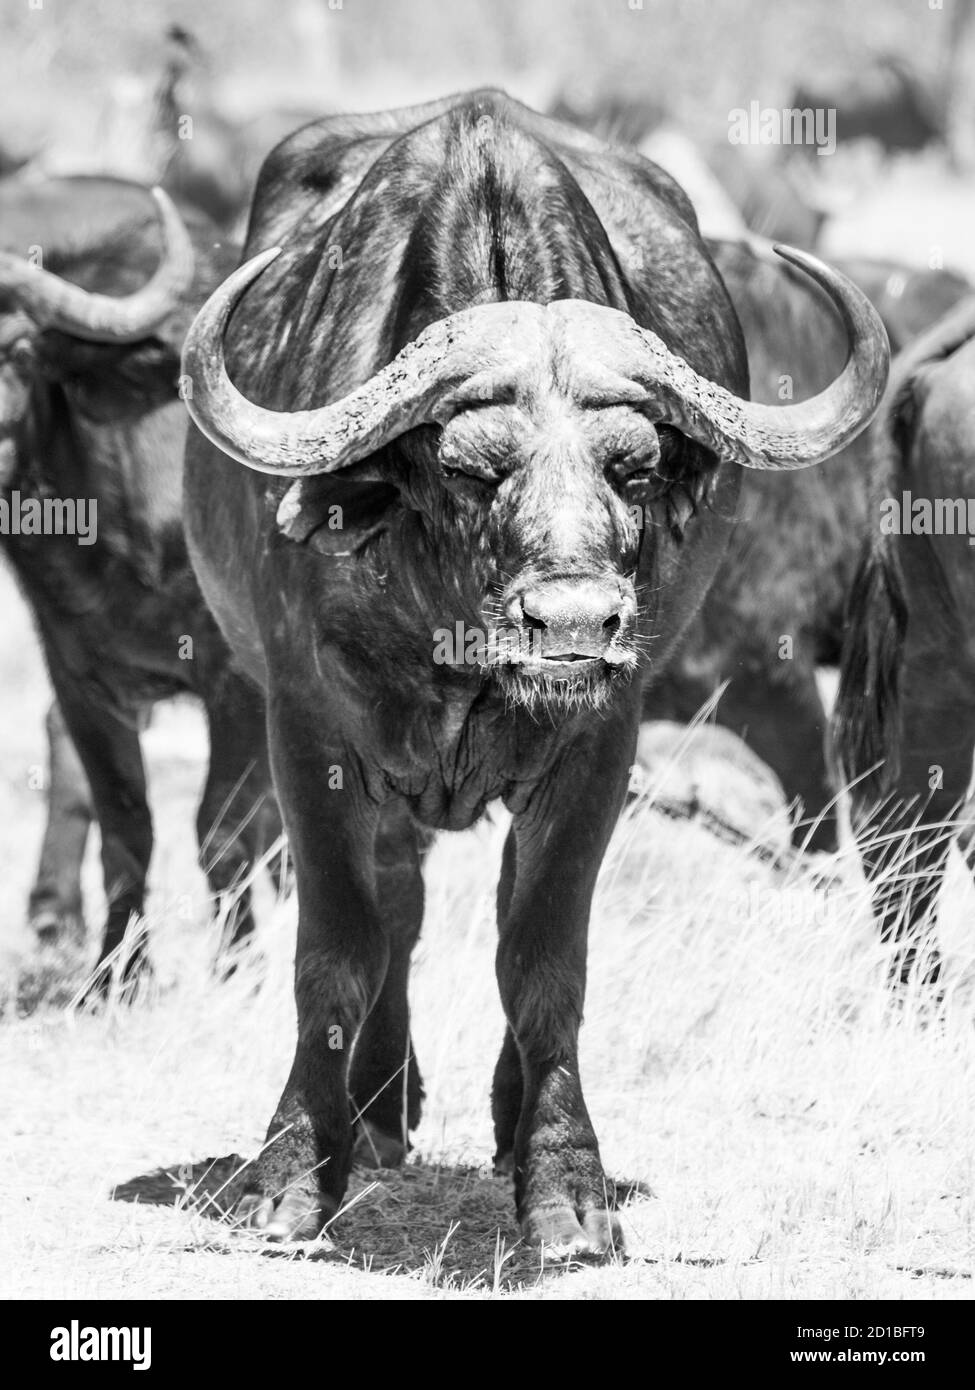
[451, 1223]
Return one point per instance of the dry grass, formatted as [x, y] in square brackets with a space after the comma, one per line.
[741, 1056]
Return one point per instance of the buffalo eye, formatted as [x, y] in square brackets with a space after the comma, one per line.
[470, 470]
[635, 476]
[673, 450]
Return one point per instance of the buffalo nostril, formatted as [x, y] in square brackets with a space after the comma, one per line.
[572, 620]
[531, 622]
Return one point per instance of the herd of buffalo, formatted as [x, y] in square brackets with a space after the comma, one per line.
[474, 366]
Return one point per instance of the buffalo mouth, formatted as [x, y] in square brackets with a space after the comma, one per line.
[564, 684]
[569, 667]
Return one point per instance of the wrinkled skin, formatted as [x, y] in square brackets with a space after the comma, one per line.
[104, 421]
[339, 636]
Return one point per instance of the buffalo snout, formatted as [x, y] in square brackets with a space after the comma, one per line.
[571, 620]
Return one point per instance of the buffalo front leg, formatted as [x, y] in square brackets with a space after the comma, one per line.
[507, 1089]
[54, 907]
[237, 806]
[387, 1090]
[780, 716]
[107, 740]
[928, 730]
[297, 1183]
[559, 840]
[904, 841]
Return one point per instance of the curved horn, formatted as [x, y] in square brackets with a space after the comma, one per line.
[474, 355]
[101, 318]
[771, 437]
[481, 354]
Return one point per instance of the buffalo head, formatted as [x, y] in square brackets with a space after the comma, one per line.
[32, 300]
[566, 427]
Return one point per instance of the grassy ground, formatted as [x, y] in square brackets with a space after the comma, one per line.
[740, 1054]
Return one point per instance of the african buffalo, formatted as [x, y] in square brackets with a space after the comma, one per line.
[210, 160]
[771, 196]
[507, 362]
[908, 299]
[905, 715]
[766, 708]
[619, 118]
[775, 194]
[91, 426]
[885, 99]
[776, 611]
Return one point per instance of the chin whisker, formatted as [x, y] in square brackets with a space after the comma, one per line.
[541, 692]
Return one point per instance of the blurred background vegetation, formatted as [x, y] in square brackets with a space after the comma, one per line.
[76, 74]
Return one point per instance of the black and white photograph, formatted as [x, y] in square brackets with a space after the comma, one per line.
[487, 678]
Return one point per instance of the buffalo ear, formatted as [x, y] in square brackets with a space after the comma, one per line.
[338, 513]
[115, 377]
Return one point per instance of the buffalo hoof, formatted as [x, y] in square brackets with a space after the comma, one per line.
[53, 928]
[562, 1237]
[374, 1148]
[294, 1216]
